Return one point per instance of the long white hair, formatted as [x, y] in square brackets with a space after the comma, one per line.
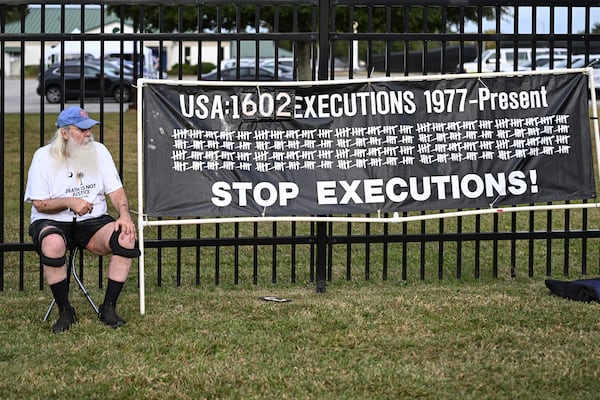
[58, 147]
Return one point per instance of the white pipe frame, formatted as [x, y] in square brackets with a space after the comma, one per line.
[143, 221]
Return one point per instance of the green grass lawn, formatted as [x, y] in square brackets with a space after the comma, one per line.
[505, 338]
[496, 339]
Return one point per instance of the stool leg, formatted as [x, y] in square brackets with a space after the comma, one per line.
[49, 310]
[81, 286]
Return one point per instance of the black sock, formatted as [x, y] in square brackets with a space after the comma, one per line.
[60, 291]
[113, 289]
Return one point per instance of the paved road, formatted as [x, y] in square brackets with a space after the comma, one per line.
[32, 102]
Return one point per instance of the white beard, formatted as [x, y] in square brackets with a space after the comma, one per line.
[82, 158]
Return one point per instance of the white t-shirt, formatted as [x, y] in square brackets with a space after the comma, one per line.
[47, 181]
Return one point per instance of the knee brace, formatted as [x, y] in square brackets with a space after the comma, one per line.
[119, 250]
[51, 262]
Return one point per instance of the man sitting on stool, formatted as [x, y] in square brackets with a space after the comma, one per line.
[67, 184]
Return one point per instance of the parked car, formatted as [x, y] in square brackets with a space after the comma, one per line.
[579, 61]
[286, 64]
[51, 86]
[541, 62]
[129, 66]
[506, 62]
[248, 73]
[232, 62]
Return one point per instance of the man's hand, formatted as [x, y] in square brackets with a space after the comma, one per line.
[81, 206]
[126, 225]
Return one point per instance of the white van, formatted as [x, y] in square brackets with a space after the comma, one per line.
[507, 57]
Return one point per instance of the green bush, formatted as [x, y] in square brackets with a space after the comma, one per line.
[32, 71]
[207, 67]
[187, 69]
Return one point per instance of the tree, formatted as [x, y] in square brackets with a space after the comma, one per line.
[13, 13]
[287, 18]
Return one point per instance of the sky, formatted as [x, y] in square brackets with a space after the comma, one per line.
[543, 20]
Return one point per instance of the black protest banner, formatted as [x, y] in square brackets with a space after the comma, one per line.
[365, 146]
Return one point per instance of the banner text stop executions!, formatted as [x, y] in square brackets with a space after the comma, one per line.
[364, 147]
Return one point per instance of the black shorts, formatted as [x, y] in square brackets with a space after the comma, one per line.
[78, 234]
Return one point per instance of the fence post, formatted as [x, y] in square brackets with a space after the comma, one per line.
[321, 271]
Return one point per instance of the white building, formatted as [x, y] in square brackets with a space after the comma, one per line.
[30, 54]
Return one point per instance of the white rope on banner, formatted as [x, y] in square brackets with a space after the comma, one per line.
[395, 217]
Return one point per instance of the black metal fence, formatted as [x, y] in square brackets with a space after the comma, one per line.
[324, 40]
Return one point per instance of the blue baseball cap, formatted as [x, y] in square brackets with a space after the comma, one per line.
[75, 116]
